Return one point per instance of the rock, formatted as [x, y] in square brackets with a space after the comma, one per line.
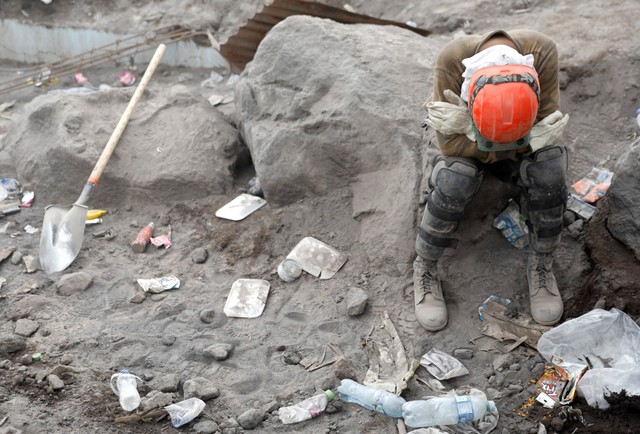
[296, 140]
[199, 167]
[138, 298]
[218, 351]
[623, 221]
[31, 263]
[291, 357]
[73, 283]
[343, 368]
[168, 340]
[575, 228]
[493, 394]
[11, 343]
[26, 359]
[601, 303]
[206, 427]
[26, 327]
[155, 399]
[168, 383]
[200, 387]
[270, 407]
[502, 362]
[568, 217]
[55, 382]
[16, 258]
[207, 315]
[356, 301]
[463, 353]
[250, 419]
[200, 255]
[557, 423]
[6, 252]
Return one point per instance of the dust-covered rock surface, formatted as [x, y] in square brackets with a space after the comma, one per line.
[328, 117]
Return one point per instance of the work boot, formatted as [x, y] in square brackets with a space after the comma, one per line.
[546, 303]
[431, 311]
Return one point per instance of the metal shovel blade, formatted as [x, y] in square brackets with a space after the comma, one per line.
[62, 236]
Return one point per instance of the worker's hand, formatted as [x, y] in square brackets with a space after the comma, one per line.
[548, 131]
[450, 117]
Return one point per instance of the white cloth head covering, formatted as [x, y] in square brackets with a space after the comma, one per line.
[492, 56]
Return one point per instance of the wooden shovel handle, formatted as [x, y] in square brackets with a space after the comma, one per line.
[124, 119]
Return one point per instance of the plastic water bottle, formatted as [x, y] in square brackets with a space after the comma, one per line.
[372, 398]
[307, 409]
[125, 385]
[446, 410]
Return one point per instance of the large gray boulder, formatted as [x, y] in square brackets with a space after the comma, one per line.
[624, 215]
[322, 103]
[176, 146]
[325, 106]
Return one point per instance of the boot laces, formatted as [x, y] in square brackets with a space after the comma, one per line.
[427, 281]
[542, 270]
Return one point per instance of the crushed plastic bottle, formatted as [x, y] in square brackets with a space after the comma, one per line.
[307, 409]
[446, 410]
[371, 398]
[125, 385]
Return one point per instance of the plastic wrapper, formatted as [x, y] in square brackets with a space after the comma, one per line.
[608, 342]
[560, 380]
[185, 411]
[580, 207]
[441, 365]
[512, 225]
[593, 186]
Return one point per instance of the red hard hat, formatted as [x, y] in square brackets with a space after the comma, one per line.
[503, 102]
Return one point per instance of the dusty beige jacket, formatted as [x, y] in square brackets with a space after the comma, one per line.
[448, 75]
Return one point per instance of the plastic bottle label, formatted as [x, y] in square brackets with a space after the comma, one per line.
[465, 409]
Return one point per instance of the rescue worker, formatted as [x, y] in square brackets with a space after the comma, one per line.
[494, 108]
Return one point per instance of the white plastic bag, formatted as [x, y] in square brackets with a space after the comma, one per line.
[185, 411]
[606, 341]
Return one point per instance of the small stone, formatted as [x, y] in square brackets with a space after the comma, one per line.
[66, 359]
[575, 228]
[493, 394]
[155, 399]
[463, 353]
[168, 383]
[218, 351]
[31, 263]
[138, 298]
[343, 368]
[26, 327]
[356, 301]
[601, 303]
[514, 367]
[568, 218]
[516, 388]
[206, 427]
[271, 407]
[291, 357]
[501, 362]
[5, 364]
[73, 283]
[16, 258]
[11, 343]
[200, 255]
[55, 382]
[207, 315]
[250, 419]
[557, 424]
[200, 387]
[168, 340]
[26, 359]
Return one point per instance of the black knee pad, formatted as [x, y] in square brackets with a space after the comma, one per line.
[544, 176]
[454, 181]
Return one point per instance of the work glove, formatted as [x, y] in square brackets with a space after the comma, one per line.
[450, 117]
[548, 131]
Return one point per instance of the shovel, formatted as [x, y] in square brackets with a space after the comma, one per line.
[63, 226]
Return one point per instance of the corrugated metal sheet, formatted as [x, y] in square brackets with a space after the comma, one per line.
[240, 48]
